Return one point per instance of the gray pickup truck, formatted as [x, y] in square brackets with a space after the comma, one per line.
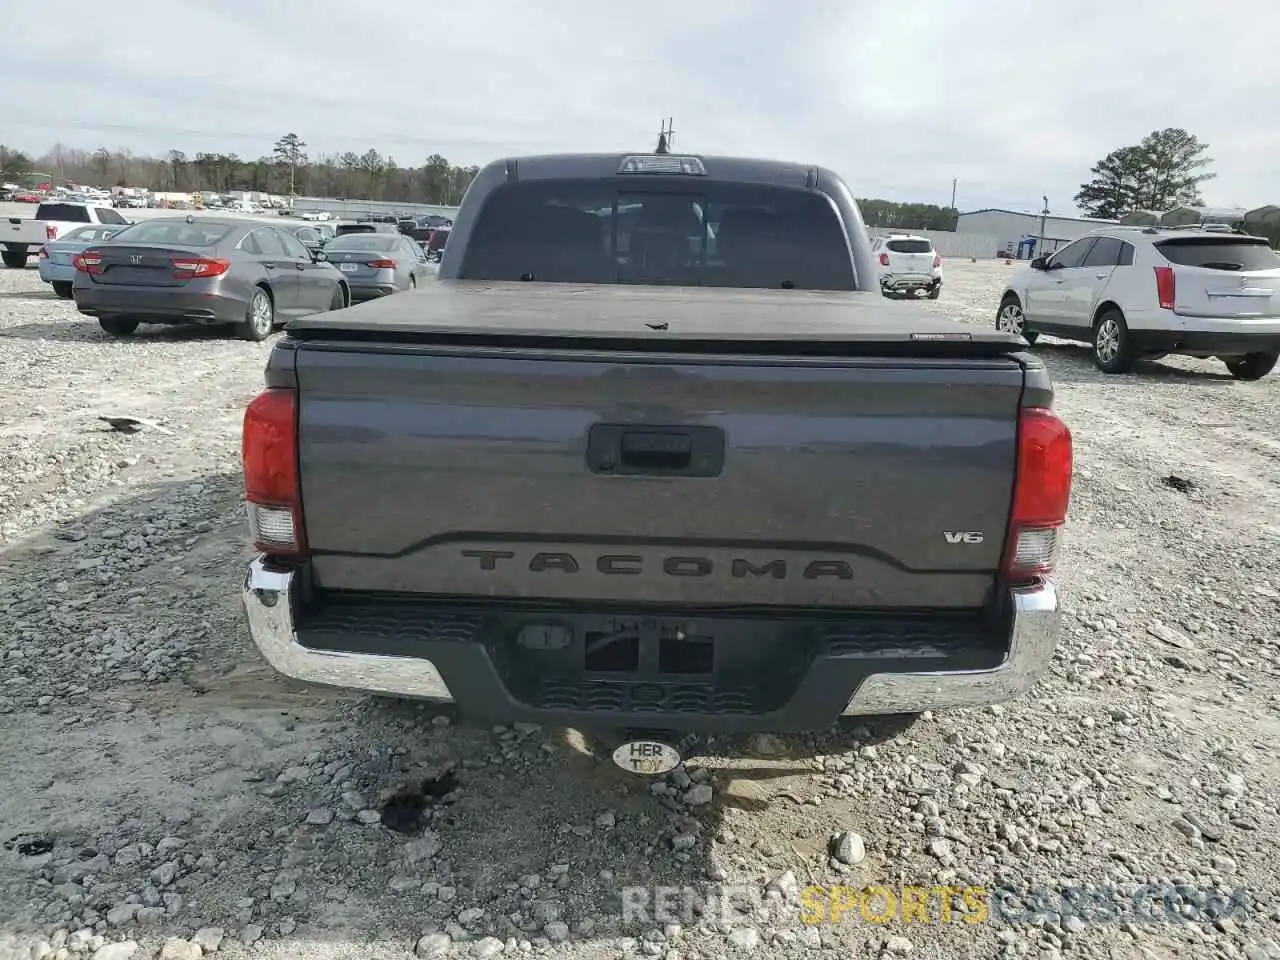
[654, 455]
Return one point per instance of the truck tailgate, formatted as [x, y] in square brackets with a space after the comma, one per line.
[591, 476]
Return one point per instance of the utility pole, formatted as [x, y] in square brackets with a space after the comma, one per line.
[1043, 214]
[954, 181]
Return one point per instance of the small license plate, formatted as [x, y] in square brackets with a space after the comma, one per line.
[348, 267]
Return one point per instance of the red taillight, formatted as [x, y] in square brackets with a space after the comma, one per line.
[1166, 287]
[1041, 495]
[88, 262]
[43, 254]
[884, 259]
[937, 260]
[382, 264]
[269, 452]
[50, 232]
[187, 267]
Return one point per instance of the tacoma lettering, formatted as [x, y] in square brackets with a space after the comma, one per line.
[553, 561]
[619, 564]
[629, 565]
[687, 567]
[774, 568]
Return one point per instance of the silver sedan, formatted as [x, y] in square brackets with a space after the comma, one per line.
[377, 264]
[204, 270]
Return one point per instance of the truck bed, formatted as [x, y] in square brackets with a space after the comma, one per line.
[683, 319]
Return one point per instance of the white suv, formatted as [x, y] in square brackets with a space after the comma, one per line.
[906, 265]
[1142, 292]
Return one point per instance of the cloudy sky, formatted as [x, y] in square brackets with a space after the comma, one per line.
[899, 96]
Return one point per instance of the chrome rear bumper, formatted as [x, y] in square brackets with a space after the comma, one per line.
[1036, 625]
[267, 595]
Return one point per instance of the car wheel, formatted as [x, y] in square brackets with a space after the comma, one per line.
[15, 260]
[118, 326]
[935, 291]
[63, 289]
[1252, 366]
[339, 299]
[1010, 319]
[260, 319]
[413, 282]
[1112, 346]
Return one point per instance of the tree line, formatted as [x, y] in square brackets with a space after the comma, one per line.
[290, 170]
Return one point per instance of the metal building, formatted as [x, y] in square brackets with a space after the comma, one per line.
[1011, 231]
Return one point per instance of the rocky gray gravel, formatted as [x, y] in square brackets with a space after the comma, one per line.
[166, 795]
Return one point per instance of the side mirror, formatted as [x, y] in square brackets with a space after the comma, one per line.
[1040, 263]
[319, 256]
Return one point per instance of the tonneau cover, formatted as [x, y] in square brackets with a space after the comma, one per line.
[675, 318]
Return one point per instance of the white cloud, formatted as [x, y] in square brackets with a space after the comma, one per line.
[1013, 100]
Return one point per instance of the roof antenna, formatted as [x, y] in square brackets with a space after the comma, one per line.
[665, 136]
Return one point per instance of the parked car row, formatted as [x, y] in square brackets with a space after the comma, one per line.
[21, 238]
[432, 239]
[1139, 293]
[313, 236]
[55, 257]
[377, 264]
[210, 270]
[241, 273]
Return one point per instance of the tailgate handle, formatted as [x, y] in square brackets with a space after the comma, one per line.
[659, 450]
[634, 449]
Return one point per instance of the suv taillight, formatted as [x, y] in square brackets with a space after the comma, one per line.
[273, 495]
[884, 259]
[937, 260]
[50, 232]
[1041, 495]
[1166, 287]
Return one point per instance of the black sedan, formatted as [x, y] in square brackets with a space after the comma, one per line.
[242, 273]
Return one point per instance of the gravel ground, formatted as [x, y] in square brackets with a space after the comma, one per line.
[166, 794]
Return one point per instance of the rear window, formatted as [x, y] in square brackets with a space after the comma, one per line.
[65, 212]
[1229, 253]
[346, 228]
[195, 234]
[90, 233]
[364, 241]
[909, 246]
[703, 234]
